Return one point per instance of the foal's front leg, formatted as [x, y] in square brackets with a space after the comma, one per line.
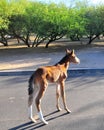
[57, 97]
[62, 87]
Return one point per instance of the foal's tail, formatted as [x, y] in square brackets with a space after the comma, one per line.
[31, 85]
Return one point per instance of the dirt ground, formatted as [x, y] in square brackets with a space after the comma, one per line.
[19, 58]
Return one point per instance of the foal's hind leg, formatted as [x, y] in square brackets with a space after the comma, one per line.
[43, 87]
[30, 101]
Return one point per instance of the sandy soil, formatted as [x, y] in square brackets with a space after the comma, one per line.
[23, 58]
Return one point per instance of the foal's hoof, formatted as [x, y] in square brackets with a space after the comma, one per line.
[32, 119]
[68, 111]
[45, 122]
[59, 109]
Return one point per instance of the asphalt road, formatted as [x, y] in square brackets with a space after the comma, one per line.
[85, 97]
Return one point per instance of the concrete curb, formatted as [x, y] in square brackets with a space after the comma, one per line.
[71, 73]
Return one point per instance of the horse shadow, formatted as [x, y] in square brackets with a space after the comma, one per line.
[30, 125]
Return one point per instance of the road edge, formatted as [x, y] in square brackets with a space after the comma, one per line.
[71, 72]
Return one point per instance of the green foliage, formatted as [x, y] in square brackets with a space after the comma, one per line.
[4, 13]
[94, 22]
[77, 24]
[49, 22]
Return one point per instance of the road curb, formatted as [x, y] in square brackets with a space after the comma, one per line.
[86, 72]
[71, 73]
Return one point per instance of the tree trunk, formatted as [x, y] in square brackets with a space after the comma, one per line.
[34, 42]
[18, 40]
[47, 44]
[5, 43]
[53, 39]
[91, 39]
[40, 41]
[78, 37]
[27, 43]
[27, 40]
[37, 44]
[3, 40]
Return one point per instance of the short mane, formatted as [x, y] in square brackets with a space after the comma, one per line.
[63, 60]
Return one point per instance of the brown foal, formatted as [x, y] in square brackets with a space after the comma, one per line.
[38, 83]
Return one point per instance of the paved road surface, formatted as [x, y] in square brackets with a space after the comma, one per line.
[85, 96]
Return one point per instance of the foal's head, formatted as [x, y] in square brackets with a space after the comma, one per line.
[69, 57]
[72, 57]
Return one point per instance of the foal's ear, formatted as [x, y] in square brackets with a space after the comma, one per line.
[73, 51]
[68, 51]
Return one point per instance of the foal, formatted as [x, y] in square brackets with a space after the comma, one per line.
[38, 83]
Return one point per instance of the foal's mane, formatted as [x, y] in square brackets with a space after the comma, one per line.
[63, 60]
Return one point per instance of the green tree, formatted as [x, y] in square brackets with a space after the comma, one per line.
[77, 23]
[53, 23]
[35, 15]
[58, 22]
[77, 20]
[18, 26]
[4, 22]
[95, 22]
[49, 22]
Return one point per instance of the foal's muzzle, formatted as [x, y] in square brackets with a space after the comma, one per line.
[77, 60]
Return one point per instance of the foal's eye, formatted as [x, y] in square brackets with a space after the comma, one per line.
[73, 56]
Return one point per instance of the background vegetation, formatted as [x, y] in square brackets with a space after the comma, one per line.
[23, 19]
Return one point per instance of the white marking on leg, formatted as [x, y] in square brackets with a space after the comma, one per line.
[42, 118]
[31, 114]
[30, 111]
